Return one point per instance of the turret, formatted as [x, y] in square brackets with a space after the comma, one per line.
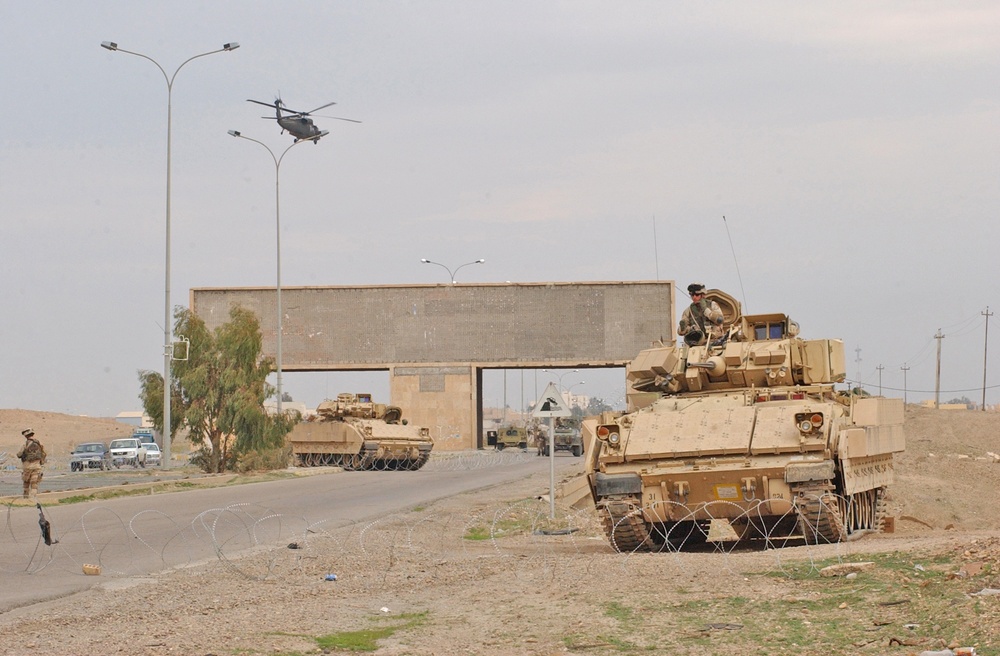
[357, 406]
[756, 351]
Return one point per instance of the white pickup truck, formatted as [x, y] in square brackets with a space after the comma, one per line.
[127, 451]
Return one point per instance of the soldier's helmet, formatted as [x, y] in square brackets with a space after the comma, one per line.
[696, 288]
[27, 432]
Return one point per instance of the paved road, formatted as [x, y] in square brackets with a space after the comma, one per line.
[62, 480]
[140, 535]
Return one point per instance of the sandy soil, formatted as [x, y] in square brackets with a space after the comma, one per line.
[414, 578]
[59, 433]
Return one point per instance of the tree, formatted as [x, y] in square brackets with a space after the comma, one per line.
[597, 406]
[219, 390]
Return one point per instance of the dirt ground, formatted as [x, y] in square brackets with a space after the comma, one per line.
[413, 582]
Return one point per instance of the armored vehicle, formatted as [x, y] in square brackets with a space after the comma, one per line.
[742, 439]
[355, 433]
[565, 435]
[508, 437]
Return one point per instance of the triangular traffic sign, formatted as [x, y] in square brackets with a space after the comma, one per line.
[551, 404]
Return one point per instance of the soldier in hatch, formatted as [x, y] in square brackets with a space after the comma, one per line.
[32, 456]
[702, 320]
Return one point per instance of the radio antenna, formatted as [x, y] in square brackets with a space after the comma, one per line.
[656, 254]
[733, 249]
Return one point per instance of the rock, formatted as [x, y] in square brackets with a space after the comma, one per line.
[844, 569]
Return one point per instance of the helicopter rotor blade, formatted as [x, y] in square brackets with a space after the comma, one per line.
[318, 108]
[280, 106]
[339, 118]
[270, 104]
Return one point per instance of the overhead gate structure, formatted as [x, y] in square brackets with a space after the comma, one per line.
[435, 340]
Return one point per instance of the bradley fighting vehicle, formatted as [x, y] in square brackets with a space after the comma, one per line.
[354, 433]
[742, 439]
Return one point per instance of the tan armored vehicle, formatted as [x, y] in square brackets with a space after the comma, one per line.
[565, 435]
[354, 433]
[508, 437]
[745, 439]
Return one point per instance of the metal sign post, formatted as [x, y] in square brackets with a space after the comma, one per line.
[552, 469]
[551, 404]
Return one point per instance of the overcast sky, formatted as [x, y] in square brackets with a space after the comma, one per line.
[853, 147]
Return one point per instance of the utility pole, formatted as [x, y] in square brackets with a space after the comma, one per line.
[905, 369]
[504, 396]
[880, 368]
[937, 376]
[986, 338]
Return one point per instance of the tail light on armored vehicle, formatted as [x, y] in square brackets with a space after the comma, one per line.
[809, 422]
[609, 434]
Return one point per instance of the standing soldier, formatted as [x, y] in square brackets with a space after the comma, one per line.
[702, 321]
[32, 456]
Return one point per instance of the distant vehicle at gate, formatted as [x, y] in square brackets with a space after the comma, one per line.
[508, 437]
[354, 433]
[565, 436]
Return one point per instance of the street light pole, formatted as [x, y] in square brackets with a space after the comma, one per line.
[168, 347]
[277, 230]
[571, 371]
[569, 392]
[450, 273]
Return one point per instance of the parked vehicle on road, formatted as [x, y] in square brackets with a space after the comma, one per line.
[127, 451]
[144, 435]
[90, 455]
[153, 454]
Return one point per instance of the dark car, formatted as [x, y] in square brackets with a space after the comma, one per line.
[90, 455]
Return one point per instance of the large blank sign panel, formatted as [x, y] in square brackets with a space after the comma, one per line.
[330, 328]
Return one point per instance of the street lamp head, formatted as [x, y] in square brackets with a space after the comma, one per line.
[479, 261]
[231, 46]
[425, 260]
[235, 133]
[109, 45]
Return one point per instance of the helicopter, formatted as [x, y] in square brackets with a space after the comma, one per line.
[296, 123]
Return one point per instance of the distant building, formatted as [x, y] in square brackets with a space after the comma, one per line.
[136, 418]
[929, 403]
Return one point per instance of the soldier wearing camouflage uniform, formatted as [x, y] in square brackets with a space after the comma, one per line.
[32, 456]
[702, 320]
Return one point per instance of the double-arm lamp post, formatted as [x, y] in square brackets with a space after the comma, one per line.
[277, 230]
[167, 319]
[450, 273]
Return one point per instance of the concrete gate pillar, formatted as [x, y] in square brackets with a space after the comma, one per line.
[444, 399]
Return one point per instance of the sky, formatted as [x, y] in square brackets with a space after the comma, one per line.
[838, 162]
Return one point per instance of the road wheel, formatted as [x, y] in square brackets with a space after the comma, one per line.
[577, 450]
[500, 446]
